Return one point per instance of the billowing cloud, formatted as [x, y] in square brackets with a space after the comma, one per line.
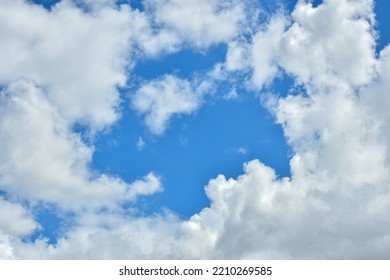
[335, 204]
[323, 42]
[79, 58]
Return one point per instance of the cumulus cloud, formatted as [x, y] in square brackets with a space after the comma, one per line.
[202, 23]
[167, 26]
[323, 42]
[335, 204]
[43, 160]
[159, 100]
[79, 58]
[15, 220]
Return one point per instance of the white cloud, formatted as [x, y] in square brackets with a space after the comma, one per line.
[237, 57]
[79, 58]
[199, 22]
[376, 95]
[6, 247]
[264, 52]
[310, 55]
[150, 184]
[167, 26]
[15, 220]
[149, 40]
[258, 56]
[43, 160]
[159, 100]
[323, 43]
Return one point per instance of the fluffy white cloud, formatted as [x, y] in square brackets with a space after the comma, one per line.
[199, 22]
[167, 26]
[161, 99]
[79, 58]
[149, 40]
[264, 52]
[43, 160]
[324, 42]
[15, 220]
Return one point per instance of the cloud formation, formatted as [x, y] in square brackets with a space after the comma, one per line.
[161, 99]
[335, 119]
[43, 160]
[79, 58]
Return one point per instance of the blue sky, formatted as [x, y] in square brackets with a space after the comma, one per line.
[197, 147]
[127, 127]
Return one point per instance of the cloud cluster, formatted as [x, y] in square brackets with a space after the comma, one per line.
[335, 119]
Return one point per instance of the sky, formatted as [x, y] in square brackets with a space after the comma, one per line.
[194, 129]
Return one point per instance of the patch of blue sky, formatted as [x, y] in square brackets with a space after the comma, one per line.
[278, 5]
[282, 85]
[316, 3]
[135, 4]
[382, 8]
[48, 4]
[53, 223]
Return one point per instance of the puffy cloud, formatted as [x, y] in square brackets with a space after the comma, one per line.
[15, 220]
[79, 58]
[264, 52]
[43, 160]
[118, 236]
[323, 42]
[149, 40]
[168, 26]
[201, 23]
[161, 99]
